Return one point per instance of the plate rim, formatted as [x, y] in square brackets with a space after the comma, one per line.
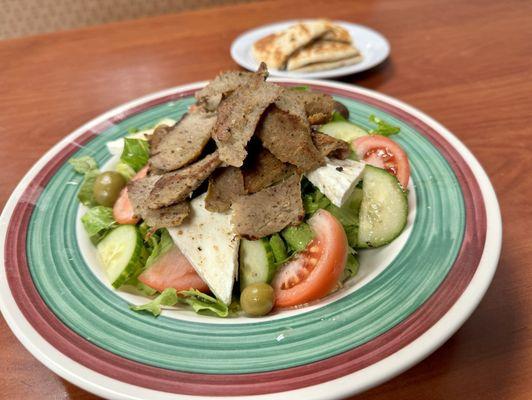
[368, 377]
[332, 73]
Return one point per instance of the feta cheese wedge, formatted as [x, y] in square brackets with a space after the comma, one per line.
[208, 242]
[116, 147]
[337, 179]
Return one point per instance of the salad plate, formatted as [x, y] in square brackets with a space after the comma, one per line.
[407, 299]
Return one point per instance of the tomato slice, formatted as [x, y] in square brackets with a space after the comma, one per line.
[314, 272]
[172, 270]
[384, 153]
[123, 209]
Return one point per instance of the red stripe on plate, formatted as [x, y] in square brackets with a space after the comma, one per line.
[87, 354]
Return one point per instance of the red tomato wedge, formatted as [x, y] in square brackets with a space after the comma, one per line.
[384, 153]
[172, 270]
[123, 209]
[314, 272]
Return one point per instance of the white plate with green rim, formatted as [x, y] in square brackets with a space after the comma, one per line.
[410, 297]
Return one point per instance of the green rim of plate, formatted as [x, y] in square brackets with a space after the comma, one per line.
[83, 303]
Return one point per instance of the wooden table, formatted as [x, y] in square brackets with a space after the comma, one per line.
[467, 64]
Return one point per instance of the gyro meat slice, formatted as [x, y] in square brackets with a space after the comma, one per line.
[263, 169]
[318, 107]
[211, 95]
[174, 187]
[287, 137]
[175, 147]
[238, 116]
[270, 210]
[329, 146]
[225, 185]
[166, 217]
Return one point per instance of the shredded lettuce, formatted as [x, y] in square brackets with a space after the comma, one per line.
[98, 221]
[159, 244]
[203, 303]
[338, 117]
[314, 200]
[84, 164]
[87, 166]
[135, 153]
[200, 302]
[351, 267]
[141, 287]
[297, 237]
[85, 193]
[168, 297]
[344, 214]
[125, 170]
[383, 128]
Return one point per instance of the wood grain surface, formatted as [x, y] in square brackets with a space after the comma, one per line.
[467, 64]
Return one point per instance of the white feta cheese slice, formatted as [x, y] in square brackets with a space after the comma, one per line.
[208, 242]
[116, 147]
[337, 179]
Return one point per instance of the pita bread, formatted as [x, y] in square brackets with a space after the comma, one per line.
[321, 51]
[275, 49]
[337, 33]
[330, 65]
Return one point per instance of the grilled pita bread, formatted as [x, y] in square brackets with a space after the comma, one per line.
[321, 51]
[337, 33]
[330, 65]
[275, 49]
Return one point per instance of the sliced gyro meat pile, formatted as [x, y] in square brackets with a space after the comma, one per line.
[251, 140]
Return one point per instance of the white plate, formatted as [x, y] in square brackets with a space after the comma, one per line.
[373, 46]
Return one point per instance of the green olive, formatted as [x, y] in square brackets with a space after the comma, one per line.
[107, 187]
[257, 299]
[341, 109]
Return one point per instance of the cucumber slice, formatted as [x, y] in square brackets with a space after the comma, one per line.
[384, 208]
[343, 130]
[121, 253]
[257, 262]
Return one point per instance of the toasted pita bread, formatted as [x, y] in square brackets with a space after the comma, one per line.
[330, 65]
[275, 49]
[320, 51]
[337, 33]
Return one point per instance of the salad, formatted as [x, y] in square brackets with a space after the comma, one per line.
[258, 199]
